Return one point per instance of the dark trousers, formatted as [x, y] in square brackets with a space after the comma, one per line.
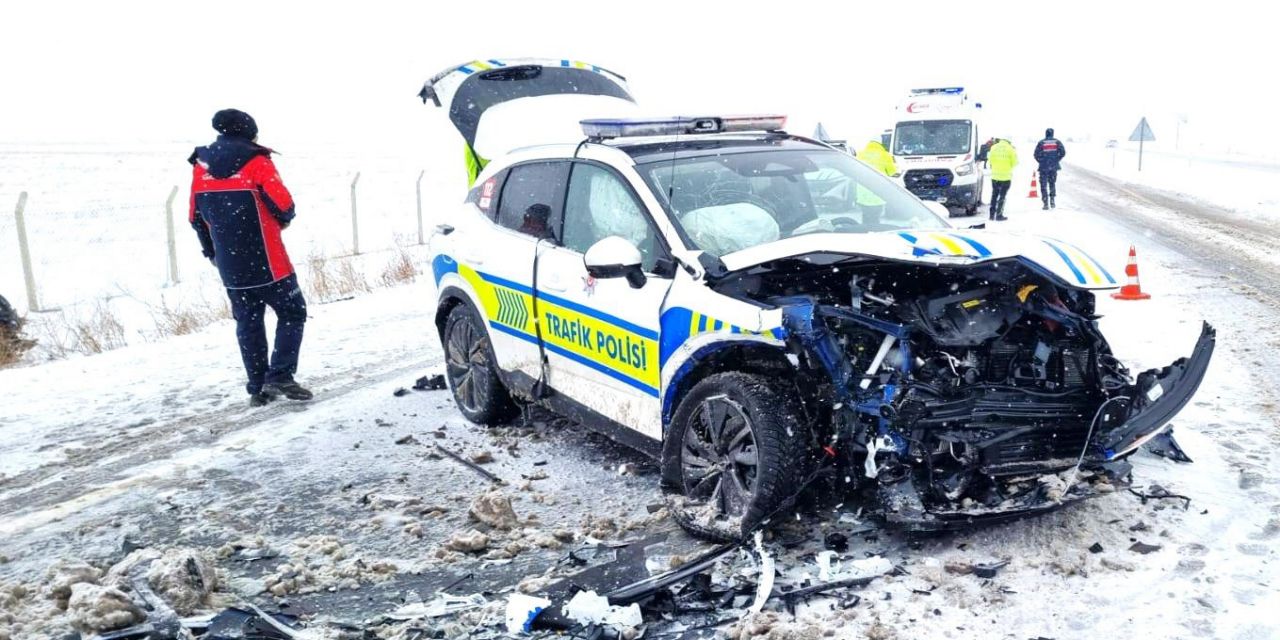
[1048, 185]
[248, 307]
[999, 193]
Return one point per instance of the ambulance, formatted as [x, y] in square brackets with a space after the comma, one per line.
[935, 142]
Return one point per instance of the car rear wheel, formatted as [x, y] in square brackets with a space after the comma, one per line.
[736, 454]
[472, 370]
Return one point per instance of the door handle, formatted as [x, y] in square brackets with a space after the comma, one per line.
[554, 284]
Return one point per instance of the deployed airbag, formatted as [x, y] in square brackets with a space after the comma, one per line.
[726, 228]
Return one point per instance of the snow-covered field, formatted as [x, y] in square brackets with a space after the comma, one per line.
[151, 445]
[1245, 186]
[95, 213]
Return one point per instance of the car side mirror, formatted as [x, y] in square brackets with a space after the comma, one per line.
[615, 257]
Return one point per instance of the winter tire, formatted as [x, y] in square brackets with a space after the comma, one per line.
[736, 453]
[472, 370]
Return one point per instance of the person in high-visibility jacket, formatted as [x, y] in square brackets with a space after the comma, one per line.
[881, 160]
[1002, 158]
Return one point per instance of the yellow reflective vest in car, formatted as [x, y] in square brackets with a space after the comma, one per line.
[1003, 158]
[475, 164]
[881, 160]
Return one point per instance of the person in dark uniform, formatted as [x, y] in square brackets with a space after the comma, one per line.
[239, 206]
[1049, 153]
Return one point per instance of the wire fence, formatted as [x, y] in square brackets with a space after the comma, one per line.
[97, 223]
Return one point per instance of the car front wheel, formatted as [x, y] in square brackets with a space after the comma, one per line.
[736, 454]
[472, 370]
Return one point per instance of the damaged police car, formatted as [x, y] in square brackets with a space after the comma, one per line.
[725, 296]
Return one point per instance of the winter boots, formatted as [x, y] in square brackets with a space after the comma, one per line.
[272, 390]
[290, 390]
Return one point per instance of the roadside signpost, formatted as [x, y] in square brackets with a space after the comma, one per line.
[1142, 133]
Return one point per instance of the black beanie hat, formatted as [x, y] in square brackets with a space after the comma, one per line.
[1048, 133]
[235, 123]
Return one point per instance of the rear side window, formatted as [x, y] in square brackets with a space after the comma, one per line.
[531, 197]
[485, 194]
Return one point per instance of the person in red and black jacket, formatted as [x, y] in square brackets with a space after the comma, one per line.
[239, 205]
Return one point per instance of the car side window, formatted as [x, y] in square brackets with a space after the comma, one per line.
[531, 197]
[485, 194]
[600, 205]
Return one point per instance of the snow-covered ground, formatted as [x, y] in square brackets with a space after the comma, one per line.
[152, 445]
[1244, 186]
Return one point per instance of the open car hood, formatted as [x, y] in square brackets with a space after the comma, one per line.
[472, 89]
[1071, 264]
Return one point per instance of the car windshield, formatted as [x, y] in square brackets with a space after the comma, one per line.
[932, 138]
[734, 201]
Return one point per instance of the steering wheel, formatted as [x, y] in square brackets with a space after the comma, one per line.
[845, 223]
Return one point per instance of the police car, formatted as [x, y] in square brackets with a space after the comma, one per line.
[714, 292]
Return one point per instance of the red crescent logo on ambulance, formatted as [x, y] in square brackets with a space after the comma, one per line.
[911, 108]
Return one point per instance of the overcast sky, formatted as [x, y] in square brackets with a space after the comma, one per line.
[311, 75]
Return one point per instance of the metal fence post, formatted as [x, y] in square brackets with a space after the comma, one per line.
[355, 227]
[33, 302]
[169, 233]
[419, 188]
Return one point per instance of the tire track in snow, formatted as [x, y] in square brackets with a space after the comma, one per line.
[84, 474]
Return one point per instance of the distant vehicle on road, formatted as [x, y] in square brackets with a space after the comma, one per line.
[1111, 144]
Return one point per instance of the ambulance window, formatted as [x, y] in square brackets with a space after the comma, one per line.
[531, 197]
[600, 205]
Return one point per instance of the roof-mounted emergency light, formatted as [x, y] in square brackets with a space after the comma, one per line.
[931, 91]
[634, 127]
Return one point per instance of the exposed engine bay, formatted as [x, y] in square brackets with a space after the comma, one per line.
[958, 393]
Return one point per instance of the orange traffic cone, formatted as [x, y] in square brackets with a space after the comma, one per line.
[1034, 184]
[1132, 290]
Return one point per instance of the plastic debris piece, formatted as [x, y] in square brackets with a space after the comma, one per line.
[646, 587]
[1144, 548]
[765, 585]
[1095, 547]
[522, 610]
[588, 607]
[988, 571]
[400, 392]
[249, 623]
[1165, 446]
[442, 605]
[430, 383]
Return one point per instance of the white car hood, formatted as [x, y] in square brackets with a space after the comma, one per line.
[1071, 264]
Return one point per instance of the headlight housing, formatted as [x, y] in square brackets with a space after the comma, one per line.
[964, 169]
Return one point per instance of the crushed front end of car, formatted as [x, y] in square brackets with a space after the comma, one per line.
[952, 393]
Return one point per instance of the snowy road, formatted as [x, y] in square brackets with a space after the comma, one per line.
[152, 446]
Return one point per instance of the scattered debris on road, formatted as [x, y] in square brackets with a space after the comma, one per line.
[430, 383]
[471, 465]
[1165, 446]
